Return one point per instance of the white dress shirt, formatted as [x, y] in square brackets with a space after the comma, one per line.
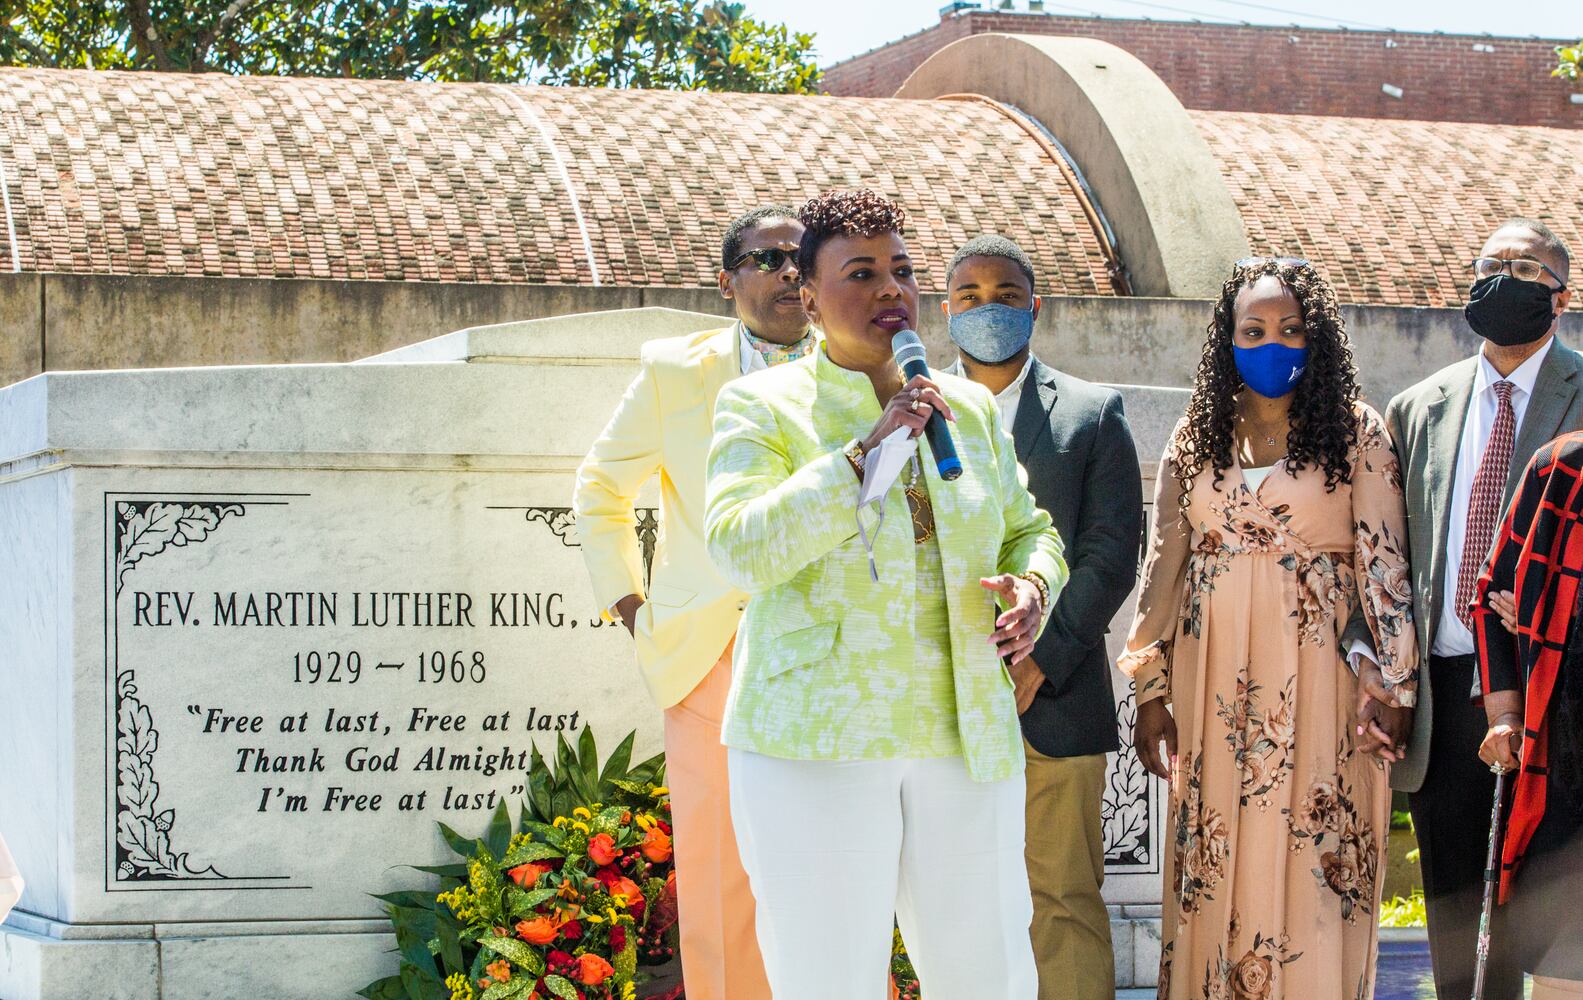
[748, 359]
[1452, 638]
[1007, 399]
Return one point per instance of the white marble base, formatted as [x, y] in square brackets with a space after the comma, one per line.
[1135, 942]
[41, 967]
[267, 960]
[284, 960]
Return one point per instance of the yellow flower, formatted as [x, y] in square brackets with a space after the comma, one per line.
[659, 791]
[580, 826]
[629, 991]
[584, 813]
[593, 918]
[460, 988]
[644, 822]
[560, 821]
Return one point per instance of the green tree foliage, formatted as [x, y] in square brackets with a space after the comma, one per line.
[1570, 62]
[670, 44]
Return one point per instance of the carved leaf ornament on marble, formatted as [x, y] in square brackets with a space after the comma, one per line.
[1125, 808]
[142, 831]
[148, 529]
[143, 835]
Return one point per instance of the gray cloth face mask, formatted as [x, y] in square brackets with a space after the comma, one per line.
[992, 333]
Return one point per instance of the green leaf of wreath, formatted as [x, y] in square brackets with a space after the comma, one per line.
[531, 851]
[522, 903]
[561, 987]
[500, 991]
[516, 951]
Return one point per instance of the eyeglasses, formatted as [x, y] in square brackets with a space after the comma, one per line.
[1521, 268]
[768, 260]
[1284, 261]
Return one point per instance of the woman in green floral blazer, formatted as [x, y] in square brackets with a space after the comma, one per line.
[872, 729]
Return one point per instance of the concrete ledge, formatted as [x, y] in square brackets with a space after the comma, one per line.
[36, 967]
[1150, 170]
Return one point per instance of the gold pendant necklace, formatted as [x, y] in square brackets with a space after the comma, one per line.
[919, 506]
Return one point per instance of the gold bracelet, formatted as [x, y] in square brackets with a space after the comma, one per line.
[1043, 588]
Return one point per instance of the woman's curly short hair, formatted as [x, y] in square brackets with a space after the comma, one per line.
[1323, 420]
[844, 213]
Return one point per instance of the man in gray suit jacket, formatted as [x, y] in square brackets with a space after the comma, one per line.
[1073, 439]
[1463, 437]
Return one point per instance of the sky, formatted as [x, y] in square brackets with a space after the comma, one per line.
[844, 28]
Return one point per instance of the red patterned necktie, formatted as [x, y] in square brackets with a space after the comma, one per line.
[1484, 505]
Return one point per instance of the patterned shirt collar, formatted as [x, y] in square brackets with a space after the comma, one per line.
[755, 354]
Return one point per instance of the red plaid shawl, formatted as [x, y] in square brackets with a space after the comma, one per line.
[1538, 555]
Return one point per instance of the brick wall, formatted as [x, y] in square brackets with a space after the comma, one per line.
[1222, 67]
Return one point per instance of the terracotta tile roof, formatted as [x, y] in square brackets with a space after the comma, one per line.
[1393, 211]
[304, 178]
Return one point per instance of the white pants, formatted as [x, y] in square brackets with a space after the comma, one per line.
[835, 850]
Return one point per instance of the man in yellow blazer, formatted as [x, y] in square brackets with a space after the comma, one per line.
[684, 621]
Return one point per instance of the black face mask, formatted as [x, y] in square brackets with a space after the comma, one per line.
[1508, 311]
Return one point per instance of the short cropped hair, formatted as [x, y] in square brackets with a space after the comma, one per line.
[731, 246]
[844, 213]
[991, 245]
[1552, 243]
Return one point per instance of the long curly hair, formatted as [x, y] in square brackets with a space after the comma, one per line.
[1324, 425]
[844, 213]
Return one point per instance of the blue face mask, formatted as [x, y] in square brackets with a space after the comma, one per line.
[992, 333]
[1271, 370]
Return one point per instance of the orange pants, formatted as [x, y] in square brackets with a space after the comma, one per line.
[720, 951]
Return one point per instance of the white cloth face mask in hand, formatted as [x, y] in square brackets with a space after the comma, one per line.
[881, 468]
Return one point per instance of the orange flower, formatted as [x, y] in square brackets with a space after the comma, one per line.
[527, 875]
[657, 845]
[626, 891]
[539, 930]
[593, 970]
[602, 849]
[499, 971]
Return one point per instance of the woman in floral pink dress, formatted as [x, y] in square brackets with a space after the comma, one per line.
[1278, 513]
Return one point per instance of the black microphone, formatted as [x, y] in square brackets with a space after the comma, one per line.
[910, 355]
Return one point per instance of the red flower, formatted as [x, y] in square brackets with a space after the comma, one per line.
[559, 957]
[527, 875]
[602, 849]
[657, 845]
[618, 939]
[607, 876]
[571, 930]
[594, 970]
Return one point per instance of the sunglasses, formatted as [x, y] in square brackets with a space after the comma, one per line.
[1522, 268]
[768, 260]
[1284, 261]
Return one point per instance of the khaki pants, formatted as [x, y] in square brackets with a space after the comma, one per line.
[1066, 868]
[720, 951]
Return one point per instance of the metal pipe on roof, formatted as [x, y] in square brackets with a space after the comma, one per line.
[1120, 284]
[10, 222]
[565, 176]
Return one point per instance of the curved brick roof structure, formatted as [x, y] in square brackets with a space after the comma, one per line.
[306, 178]
[1393, 212]
[141, 173]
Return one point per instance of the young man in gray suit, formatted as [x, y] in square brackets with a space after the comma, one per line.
[1073, 439]
[1463, 437]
